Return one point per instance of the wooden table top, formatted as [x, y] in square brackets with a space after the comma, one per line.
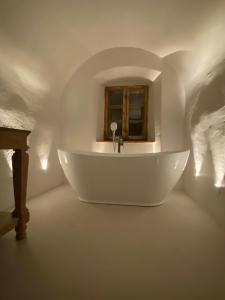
[11, 138]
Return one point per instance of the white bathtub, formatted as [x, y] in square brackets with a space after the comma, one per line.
[128, 179]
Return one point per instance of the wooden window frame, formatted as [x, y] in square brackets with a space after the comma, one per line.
[125, 113]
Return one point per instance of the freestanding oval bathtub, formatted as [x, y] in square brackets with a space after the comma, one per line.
[128, 179]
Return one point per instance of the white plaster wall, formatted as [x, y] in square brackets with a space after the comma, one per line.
[155, 108]
[172, 110]
[43, 141]
[39, 180]
[201, 188]
[6, 183]
[44, 42]
[28, 101]
[82, 103]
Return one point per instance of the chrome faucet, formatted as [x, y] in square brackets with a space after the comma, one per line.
[120, 143]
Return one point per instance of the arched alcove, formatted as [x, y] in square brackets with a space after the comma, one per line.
[82, 104]
[83, 97]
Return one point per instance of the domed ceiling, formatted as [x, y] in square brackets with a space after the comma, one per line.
[42, 42]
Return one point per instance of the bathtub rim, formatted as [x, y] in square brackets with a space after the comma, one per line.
[120, 155]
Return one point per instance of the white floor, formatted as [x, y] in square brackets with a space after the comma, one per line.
[86, 251]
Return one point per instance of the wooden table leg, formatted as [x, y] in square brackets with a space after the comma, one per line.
[20, 161]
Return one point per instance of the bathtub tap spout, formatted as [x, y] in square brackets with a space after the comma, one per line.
[120, 143]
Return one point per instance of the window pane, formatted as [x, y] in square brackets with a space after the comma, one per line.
[136, 129]
[136, 97]
[136, 113]
[126, 106]
[116, 97]
[115, 115]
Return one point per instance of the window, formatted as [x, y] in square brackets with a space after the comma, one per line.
[127, 106]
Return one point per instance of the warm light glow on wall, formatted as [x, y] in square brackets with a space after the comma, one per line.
[98, 147]
[199, 143]
[30, 79]
[208, 53]
[21, 75]
[8, 156]
[210, 132]
[219, 184]
[44, 141]
[44, 163]
[65, 159]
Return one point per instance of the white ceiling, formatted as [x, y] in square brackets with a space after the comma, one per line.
[48, 39]
[127, 72]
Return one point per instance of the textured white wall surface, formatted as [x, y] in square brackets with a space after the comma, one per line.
[204, 178]
[53, 53]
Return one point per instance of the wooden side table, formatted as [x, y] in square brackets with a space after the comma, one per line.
[16, 139]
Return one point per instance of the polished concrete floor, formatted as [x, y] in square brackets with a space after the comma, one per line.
[86, 251]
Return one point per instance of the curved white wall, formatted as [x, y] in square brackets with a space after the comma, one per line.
[44, 169]
[210, 99]
[83, 99]
[172, 110]
[26, 98]
[41, 49]
[30, 99]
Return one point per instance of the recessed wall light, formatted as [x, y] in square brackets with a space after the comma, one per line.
[44, 164]
[219, 184]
